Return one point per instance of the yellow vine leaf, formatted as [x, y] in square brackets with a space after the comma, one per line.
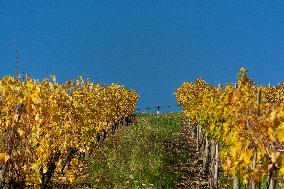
[44, 170]
[4, 158]
[280, 132]
[20, 131]
[71, 178]
[270, 133]
[282, 171]
[275, 156]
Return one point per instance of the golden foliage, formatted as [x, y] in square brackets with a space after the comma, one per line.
[244, 125]
[39, 118]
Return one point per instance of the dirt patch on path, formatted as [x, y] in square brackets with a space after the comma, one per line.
[185, 161]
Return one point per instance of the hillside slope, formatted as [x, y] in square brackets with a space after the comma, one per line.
[153, 153]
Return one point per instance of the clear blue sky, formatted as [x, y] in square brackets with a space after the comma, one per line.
[151, 46]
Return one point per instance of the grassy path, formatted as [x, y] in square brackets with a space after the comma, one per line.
[154, 153]
[187, 163]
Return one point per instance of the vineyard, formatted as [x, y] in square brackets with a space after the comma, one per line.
[239, 129]
[47, 127]
[227, 136]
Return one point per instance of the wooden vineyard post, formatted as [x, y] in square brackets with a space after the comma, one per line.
[212, 162]
[253, 184]
[190, 124]
[216, 167]
[236, 182]
[207, 156]
[271, 182]
[258, 100]
[197, 137]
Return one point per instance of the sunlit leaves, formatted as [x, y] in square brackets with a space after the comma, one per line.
[282, 171]
[55, 117]
[245, 125]
[280, 132]
[3, 158]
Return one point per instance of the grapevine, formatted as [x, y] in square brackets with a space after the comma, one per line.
[245, 119]
[44, 124]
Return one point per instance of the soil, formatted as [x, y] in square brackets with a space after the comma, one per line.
[186, 161]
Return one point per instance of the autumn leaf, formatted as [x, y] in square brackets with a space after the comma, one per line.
[280, 132]
[4, 158]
